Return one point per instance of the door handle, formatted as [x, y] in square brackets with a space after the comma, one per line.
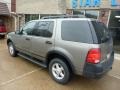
[27, 39]
[48, 42]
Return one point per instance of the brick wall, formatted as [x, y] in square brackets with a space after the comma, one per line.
[40, 6]
[13, 5]
[21, 21]
[62, 6]
[104, 14]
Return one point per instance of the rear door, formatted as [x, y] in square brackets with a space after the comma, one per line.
[75, 40]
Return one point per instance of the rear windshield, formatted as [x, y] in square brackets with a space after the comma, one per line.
[76, 31]
[102, 32]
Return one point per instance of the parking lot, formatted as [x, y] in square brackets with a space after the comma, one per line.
[19, 74]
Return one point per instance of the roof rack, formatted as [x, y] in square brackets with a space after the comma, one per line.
[63, 16]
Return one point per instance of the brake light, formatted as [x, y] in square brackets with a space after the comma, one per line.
[2, 29]
[94, 56]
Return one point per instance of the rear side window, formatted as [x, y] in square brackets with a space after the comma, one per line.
[77, 31]
[102, 32]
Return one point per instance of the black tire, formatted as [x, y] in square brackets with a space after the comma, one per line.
[2, 36]
[66, 73]
[13, 52]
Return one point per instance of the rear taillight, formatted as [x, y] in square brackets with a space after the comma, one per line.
[2, 29]
[94, 56]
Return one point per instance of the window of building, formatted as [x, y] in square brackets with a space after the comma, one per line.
[79, 12]
[29, 17]
[92, 14]
[88, 13]
[76, 31]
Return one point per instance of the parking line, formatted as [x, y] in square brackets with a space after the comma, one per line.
[19, 77]
[117, 56]
[117, 77]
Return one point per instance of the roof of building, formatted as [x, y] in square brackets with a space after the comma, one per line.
[4, 9]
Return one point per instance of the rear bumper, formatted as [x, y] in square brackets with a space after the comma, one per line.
[98, 70]
[3, 33]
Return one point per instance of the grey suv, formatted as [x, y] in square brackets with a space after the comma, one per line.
[65, 46]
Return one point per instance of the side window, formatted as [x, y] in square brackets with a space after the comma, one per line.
[28, 28]
[44, 29]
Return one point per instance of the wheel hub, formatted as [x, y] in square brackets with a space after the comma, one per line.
[58, 71]
[11, 49]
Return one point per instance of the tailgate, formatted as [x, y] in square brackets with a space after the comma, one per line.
[106, 49]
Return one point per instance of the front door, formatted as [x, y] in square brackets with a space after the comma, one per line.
[43, 38]
[23, 39]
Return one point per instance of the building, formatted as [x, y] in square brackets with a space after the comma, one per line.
[35, 9]
[98, 9]
[6, 7]
[106, 11]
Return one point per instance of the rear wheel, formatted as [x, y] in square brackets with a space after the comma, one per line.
[59, 71]
[11, 49]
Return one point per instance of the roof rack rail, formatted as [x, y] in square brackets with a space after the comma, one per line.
[63, 16]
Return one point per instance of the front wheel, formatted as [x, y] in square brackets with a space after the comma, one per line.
[59, 71]
[11, 49]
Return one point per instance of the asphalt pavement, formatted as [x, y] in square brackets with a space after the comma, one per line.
[17, 73]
